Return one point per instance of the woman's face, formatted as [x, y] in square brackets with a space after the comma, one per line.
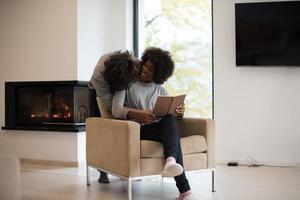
[135, 69]
[147, 72]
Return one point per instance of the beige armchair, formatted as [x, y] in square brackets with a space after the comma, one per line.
[114, 146]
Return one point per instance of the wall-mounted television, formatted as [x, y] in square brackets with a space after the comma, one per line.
[267, 34]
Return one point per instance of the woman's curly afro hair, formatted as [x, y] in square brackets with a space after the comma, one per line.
[162, 61]
[119, 70]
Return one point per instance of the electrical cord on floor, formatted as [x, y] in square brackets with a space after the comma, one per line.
[254, 163]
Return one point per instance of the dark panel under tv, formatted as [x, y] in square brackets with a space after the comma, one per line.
[267, 34]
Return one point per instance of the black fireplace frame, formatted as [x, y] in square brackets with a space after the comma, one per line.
[10, 106]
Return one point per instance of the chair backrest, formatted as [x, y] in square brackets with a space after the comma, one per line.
[104, 113]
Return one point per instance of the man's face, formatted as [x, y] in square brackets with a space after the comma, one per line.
[147, 72]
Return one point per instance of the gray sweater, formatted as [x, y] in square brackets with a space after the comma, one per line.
[140, 96]
[98, 83]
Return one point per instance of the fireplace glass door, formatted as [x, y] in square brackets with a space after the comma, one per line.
[47, 105]
[44, 105]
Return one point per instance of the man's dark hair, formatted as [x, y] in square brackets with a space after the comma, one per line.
[119, 70]
[162, 61]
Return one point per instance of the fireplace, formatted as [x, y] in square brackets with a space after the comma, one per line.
[46, 105]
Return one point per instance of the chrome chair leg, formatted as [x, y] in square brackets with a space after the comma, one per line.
[87, 175]
[129, 189]
[213, 181]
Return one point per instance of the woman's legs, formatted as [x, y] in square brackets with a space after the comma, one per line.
[166, 132]
[181, 181]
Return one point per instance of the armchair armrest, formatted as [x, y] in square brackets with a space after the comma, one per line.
[113, 145]
[205, 127]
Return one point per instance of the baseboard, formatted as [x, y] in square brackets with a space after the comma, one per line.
[265, 162]
[49, 162]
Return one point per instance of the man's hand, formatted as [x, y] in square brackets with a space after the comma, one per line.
[146, 117]
[142, 116]
[180, 110]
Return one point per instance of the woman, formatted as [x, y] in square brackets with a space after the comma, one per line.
[137, 103]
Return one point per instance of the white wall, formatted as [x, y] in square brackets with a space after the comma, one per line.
[91, 35]
[38, 42]
[103, 26]
[38, 39]
[56, 40]
[257, 110]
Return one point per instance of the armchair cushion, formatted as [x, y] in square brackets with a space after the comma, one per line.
[189, 145]
[193, 144]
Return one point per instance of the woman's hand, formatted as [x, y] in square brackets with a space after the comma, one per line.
[180, 110]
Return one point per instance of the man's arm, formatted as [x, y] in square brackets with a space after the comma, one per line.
[118, 109]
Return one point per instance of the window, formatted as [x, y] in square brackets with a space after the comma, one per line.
[183, 27]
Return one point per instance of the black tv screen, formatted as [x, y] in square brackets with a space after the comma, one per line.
[267, 34]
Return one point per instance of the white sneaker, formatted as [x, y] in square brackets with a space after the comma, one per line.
[172, 170]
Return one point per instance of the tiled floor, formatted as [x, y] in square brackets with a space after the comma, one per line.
[232, 183]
